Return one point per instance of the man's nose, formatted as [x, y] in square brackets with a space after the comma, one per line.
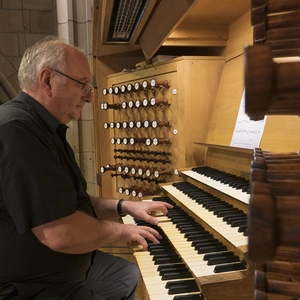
[89, 97]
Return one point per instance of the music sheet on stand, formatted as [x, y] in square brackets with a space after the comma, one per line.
[247, 133]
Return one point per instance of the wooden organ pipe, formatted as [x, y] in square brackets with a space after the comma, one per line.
[277, 24]
[274, 222]
[270, 88]
[273, 211]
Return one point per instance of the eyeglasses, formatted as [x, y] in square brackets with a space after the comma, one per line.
[87, 88]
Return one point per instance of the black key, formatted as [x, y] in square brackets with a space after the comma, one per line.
[184, 286]
[202, 250]
[171, 255]
[166, 260]
[229, 267]
[197, 242]
[176, 275]
[222, 260]
[237, 223]
[218, 254]
[161, 251]
[177, 266]
[189, 297]
[192, 237]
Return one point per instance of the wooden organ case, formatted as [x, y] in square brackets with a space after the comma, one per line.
[200, 98]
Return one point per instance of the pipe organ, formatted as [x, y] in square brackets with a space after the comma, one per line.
[163, 131]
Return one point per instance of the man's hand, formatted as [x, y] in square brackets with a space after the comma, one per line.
[139, 234]
[144, 210]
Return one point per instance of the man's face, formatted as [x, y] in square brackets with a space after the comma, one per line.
[71, 96]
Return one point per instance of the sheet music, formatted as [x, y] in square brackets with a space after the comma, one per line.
[247, 133]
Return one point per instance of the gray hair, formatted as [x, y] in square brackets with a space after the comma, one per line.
[49, 52]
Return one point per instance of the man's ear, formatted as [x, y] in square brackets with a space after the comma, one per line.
[45, 79]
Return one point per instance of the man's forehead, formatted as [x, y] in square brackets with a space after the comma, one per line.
[78, 63]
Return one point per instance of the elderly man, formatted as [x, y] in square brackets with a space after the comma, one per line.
[50, 228]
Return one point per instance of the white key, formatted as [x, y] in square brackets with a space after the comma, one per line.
[226, 189]
[230, 233]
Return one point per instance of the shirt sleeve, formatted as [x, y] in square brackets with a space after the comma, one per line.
[35, 186]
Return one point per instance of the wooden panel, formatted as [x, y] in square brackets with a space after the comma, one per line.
[198, 36]
[206, 21]
[227, 103]
[241, 34]
[216, 12]
[161, 24]
[279, 134]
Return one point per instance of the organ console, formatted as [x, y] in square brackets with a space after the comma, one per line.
[205, 252]
[206, 232]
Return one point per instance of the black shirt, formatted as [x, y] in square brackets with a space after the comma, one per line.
[39, 182]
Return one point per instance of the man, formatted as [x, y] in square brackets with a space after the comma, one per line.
[50, 228]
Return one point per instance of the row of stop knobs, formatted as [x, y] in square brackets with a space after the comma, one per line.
[137, 124]
[140, 170]
[137, 191]
[145, 141]
[143, 152]
[136, 87]
[136, 104]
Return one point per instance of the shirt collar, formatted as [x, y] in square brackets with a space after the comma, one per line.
[50, 121]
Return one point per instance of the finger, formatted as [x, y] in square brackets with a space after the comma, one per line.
[150, 219]
[153, 235]
[140, 240]
[164, 207]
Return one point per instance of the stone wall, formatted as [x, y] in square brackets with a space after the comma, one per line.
[22, 23]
